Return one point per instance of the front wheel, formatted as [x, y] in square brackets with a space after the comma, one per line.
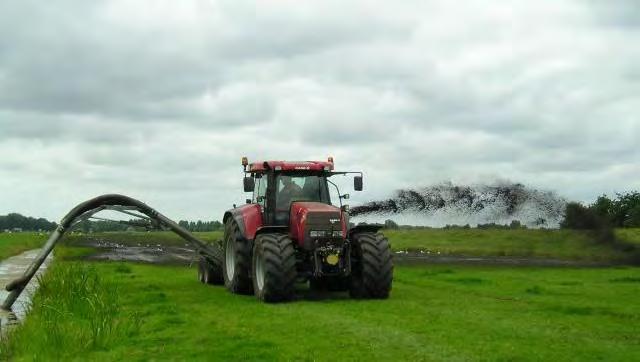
[274, 268]
[237, 260]
[371, 267]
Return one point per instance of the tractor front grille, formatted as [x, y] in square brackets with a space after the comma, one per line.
[321, 221]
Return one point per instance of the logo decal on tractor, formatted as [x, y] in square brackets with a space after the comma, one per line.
[333, 221]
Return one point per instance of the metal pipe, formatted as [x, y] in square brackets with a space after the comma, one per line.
[86, 209]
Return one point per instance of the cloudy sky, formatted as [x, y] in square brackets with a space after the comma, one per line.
[160, 99]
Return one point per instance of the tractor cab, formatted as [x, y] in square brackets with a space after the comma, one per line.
[277, 185]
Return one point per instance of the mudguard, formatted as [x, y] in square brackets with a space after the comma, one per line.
[248, 217]
[367, 228]
[272, 229]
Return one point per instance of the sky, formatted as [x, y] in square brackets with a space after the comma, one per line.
[159, 100]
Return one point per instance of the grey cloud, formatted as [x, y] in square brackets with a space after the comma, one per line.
[93, 63]
[160, 99]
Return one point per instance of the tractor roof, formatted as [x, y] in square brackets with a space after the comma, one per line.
[291, 166]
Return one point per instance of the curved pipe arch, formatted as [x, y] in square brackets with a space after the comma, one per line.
[83, 210]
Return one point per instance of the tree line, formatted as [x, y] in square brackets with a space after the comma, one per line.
[621, 211]
[17, 222]
[201, 225]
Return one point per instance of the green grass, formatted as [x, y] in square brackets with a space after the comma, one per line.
[16, 243]
[629, 235]
[74, 310]
[434, 313]
[557, 244]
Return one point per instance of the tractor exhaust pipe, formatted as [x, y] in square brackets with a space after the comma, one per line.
[86, 209]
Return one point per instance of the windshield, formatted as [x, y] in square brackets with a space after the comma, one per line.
[291, 188]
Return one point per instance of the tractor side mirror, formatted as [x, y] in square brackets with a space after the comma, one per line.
[249, 184]
[357, 183]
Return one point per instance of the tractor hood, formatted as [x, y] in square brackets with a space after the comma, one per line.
[307, 216]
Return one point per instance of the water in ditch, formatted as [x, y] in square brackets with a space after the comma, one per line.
[12, 268]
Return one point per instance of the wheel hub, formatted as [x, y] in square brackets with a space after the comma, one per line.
[230, 258]
[259, 268]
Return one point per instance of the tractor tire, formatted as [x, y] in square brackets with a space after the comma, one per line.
[237, 260]
[209, 272]
[274, 268]
[371, 266]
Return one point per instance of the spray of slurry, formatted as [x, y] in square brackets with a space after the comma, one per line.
[498, 202]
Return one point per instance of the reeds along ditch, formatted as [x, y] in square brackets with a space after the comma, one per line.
[73, 311]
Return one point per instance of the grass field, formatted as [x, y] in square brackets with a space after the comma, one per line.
[435, 313]
[15, 243]
[129, 311]
[556, 244]
[629, 235]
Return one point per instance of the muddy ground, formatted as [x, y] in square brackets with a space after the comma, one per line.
[147, 253]
[185, 255]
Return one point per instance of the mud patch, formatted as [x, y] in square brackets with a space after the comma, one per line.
[184, 255]
[149, 253]
[418, 258]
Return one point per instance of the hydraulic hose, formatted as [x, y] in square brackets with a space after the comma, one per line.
[92, 206]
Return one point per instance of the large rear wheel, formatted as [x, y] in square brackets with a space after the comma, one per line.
[237, 260]
[371, 266]
[274, 268]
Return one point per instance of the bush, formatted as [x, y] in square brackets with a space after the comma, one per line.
[623, 211]
[579, 217]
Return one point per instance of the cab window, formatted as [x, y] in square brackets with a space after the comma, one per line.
[260, 191]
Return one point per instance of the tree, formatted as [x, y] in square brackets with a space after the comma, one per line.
[633, 218]
[580, 217]
[515, 224]
[628, 210]
[15, 220]
[390, 224]
[623, 211]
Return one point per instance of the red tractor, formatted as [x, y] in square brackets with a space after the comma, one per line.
[290, 232]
